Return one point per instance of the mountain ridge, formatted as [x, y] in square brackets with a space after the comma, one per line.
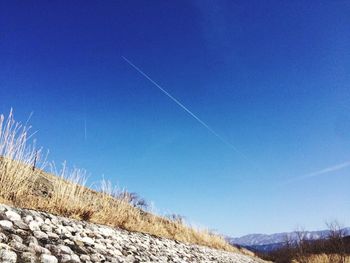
[265, 242]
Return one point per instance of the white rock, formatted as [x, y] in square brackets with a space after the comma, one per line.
[4, 246]
[106, 231]
[100, 248]
[6, 225]
[20, 224]
[13, 216]
[48, 259]
[97, 257]
[40, 235]
[75, 259]
[32, 239]
[85, 257]
[65, 258]
[39, 220]
[68, 242]
[130, 258]
[88, 240]
[34, 226]
[46, 228]
[28, 219]
[65, 250]
[54, 220]
[69, 229]
[17, 246]
[8, 256]
[52, 235]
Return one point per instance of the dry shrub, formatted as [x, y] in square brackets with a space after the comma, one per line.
[68, 196]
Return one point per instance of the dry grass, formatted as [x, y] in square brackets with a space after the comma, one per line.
[65, 193]
[16, 158]
[323, 258]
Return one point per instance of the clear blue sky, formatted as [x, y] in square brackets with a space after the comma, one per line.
[271, 77]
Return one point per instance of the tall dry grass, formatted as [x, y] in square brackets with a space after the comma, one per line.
[69, 196]
[17, 158]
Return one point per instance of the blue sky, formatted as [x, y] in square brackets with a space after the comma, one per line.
[272, 78]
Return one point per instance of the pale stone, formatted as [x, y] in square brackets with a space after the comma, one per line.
[20, 224]
[18, 246]
[39, 219]
[28, 219]
[65, 258]
[52, 235]
[32, 240]
[85, 257]
[106, 231]
[46, 228]
[130, 258]
[48, 259]
[65, 250]
[4, 246]
[88, 240]
[8, 256]
[68, 241]
[70, 229]
[13, 216]
[6, 225]
[40, 235]
[34, 226]
[17, 238]
[75, 259]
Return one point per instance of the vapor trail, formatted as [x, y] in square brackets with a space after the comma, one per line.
[184, 107]
[322, 171]
[328, 169]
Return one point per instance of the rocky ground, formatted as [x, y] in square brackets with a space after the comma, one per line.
[31, 236]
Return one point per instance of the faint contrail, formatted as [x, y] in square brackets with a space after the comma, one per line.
[322, 171]
[328, 169]
[184, 107]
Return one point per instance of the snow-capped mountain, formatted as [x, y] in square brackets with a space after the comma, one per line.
[264, 242]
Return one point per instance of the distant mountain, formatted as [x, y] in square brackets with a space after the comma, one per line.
[263, 242]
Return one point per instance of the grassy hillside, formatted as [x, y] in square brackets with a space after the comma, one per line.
[25, 183]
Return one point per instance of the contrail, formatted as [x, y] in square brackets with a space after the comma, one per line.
[184, 107]
[328, 169]
[322, 171]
